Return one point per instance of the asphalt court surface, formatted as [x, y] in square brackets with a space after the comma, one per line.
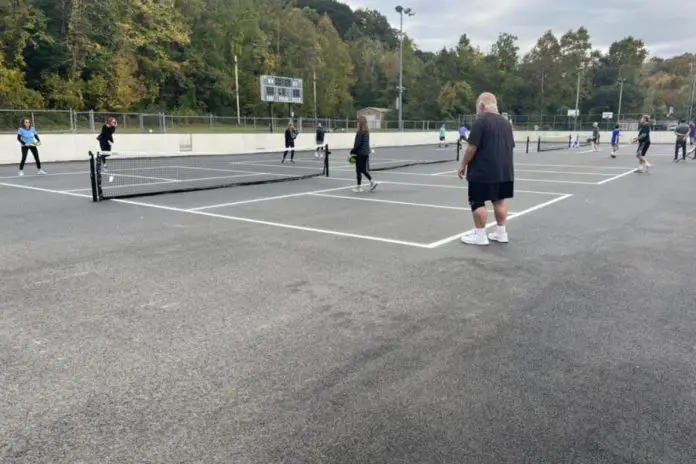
[301, 322]
[413, 206]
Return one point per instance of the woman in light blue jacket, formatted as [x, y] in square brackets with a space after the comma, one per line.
[29, 139]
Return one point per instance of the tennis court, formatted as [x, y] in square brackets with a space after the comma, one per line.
[302, 322]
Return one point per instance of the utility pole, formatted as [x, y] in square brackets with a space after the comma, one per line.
[577, 101]
[236, 86]
[621, 85]
[314, 82]
[693, 93]
[408, 12]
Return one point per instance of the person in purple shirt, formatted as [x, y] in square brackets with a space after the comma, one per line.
[463, 137]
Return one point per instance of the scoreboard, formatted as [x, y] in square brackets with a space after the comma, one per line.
[275, 89]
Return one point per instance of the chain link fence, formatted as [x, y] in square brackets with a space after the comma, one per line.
[68, 121]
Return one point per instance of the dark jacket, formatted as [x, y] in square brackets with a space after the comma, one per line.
[290, 137]
[320, 135]
[106, 134]
[361, 147]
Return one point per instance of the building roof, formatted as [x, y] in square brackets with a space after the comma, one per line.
[380, 110]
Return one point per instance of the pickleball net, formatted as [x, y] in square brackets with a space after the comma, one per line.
[398, 159]
[127, 175]
[554, 142]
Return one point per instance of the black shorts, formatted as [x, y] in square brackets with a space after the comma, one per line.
[642, 149]
[481, 193]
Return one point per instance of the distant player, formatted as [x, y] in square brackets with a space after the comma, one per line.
[463, 137]
[443, 135]
[594, 140]
[681, 132]
[290, 136]
[319, 141]
[692, 136]
[29, 140]
[615, 134]
[643, 141]
[106, 136]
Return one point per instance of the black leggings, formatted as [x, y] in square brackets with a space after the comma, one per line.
[680, 145]
[291, 149]
[25, 151]
[361, 168]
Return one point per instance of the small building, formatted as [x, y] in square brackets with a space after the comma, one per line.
[375, 116]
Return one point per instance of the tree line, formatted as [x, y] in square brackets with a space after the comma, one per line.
[177, 56]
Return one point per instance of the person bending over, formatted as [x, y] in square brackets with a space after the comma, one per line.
[681, 132]
[489, 169]
[290, 136]
[29, 139]
[361, 150]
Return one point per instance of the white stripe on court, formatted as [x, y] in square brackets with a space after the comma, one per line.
[565, 173]
[568, 166]
[619, 176]
[393, 202]
[277, 197]
[491, 224]
[446, 186]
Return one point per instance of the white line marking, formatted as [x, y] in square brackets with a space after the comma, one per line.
[619, 176]
[567, 166]
[284, 166]
[393, 202]
[444, 172]
[38, 189]
[117, 174]
[535, 192]
[490, 224]
[555, 181]
[278, 197]
[567, 173]
[51, 174]
[276, 224]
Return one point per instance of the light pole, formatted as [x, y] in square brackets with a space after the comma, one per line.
[577, 101]
[408, 12]
[693, 93]
[543, 75]
[618, 115]
[236, 87]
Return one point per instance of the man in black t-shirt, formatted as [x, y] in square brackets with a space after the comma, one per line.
[489, 168]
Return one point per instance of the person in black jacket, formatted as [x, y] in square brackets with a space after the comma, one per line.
[290, 135]
[643, 140]
[319, 140]
[361, 149]
[106, 136]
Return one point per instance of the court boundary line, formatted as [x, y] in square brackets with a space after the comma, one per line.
[616, 177]
[259, 200]
[544, 172]
[233, 218]
[394, 202]
[532, 209]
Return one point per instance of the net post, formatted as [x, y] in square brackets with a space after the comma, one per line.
[527, 149]
[93, 177]
[326, 160]
[539, 144]
[98, 175]
[570, 140]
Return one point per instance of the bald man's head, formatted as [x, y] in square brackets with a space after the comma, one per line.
[486, 103]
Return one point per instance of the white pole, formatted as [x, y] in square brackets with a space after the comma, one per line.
[314, 78]
[401, 72]
[236, 81]
[618, 116]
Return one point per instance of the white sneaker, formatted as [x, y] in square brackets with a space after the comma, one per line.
[358, 189]
[500, 237]
[373, 185]
[475, 238]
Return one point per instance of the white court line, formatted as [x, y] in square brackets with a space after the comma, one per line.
[555, 181]
[456, 187]
[568, 166]
[234, 218]
[490, 224]
[276, 224]
[117, 174]
[570, 173]
[393, 202]
[278, 197]
[39, 189]
[619, 176]
[233, 170]
[50, 174]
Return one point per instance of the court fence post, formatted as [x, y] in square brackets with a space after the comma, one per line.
[326, 160]
[527, 148]
[570, 140]
[539, 144]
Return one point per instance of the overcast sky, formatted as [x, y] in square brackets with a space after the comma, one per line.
[666, 27]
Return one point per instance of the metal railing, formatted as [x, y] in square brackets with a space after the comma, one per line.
[69, 121]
